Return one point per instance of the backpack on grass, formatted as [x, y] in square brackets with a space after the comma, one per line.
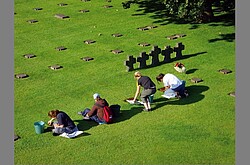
[107, 114]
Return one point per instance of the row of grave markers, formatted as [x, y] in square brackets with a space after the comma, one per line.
[154, 53]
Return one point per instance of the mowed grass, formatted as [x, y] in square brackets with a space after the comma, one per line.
[199, 129]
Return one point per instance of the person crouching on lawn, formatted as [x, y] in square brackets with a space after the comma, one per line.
[96, 113]
[149, 88]
[61, 122]
[172, 84]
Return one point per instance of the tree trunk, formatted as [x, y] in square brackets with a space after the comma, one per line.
[207, 14]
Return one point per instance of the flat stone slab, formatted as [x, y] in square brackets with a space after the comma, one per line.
[225, 71]
[38, 8]
[61, 16]
[231, 94]
[16, 137]
[55, 67]
[84, 11]
[32, 21]
[107, 6]
[143, 28]
[29, 55]
[117, 35]
[151, 26]
[148, 27]
[89, 41]
[175, 36]
[116, 51]
[196, 80]
[60, 48]
[143, 44]
[62, 4]
[87, 58]
[21, 75]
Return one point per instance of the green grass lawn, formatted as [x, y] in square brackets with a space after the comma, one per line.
[199, 129]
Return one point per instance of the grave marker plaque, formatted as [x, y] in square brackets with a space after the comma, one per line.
[231, 94]
[117, 35]
[116, 51]
[29, 55]
[60, 48]
[196, 80]
[61, 16]
[87, 58]
[62, 4]
[107, 6]
[55, 67]
[143, 28]
[89, 41]
[143, 44]
[83, 11]
[225, 71]
[32, 21]
[16, 137]
[21, 75]
[38, 8]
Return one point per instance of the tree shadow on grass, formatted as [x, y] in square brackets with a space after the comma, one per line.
[195, 95]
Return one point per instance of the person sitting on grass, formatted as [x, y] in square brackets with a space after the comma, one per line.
[149, 88]
[96, 113]
[63, 123]
[172, 85]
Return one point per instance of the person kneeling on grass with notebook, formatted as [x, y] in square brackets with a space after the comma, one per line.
[63, 123]
[173, 86]
[97, 111]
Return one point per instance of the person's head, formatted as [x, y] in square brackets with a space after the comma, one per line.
[53, 113]
[137, 75]
[96, 96]
[159, 78]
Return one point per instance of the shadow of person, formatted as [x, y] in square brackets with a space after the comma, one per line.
[191, 71]
[127, 114]
[84, 125]
[195, 95]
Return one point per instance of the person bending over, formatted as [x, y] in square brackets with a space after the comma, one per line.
[172, 84]
[148, 86]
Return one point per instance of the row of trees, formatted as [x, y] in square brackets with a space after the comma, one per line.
[196, 10]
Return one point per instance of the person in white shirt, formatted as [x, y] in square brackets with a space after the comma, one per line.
[173, 86]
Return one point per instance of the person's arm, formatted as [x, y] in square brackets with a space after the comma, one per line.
[137, 92]
[91, 112]
[50, 121]
[166, 88]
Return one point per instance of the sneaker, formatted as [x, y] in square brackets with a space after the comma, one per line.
[178, 96]
[79, 113]
[86, 118]
[146, 110]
